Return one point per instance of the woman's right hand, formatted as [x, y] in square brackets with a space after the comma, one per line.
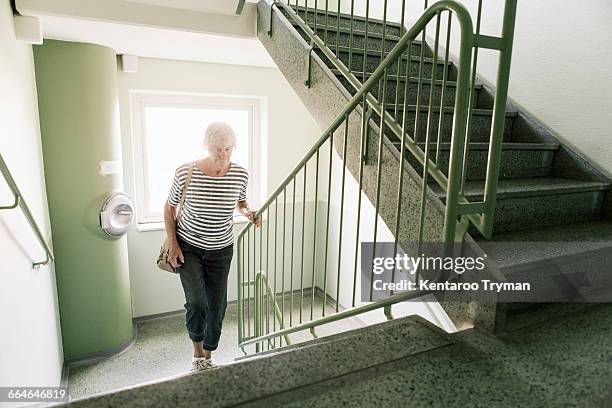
[175, 255]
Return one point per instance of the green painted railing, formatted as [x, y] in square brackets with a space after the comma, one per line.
[264, 298]
[369, 110]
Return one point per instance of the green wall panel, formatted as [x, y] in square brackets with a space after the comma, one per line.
[79, 119]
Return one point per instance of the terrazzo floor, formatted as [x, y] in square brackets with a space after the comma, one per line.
[162, 349]
[564, 362]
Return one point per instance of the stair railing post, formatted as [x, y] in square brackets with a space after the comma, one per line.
[367, 137]
[499, 116]
[468, 133]
[240, 262]
[258, 310]
[271, 16]
[455, 165]
[308, 80]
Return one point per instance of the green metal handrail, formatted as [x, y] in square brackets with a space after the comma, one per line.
[480, 214]
[20, 202]
[363, 99]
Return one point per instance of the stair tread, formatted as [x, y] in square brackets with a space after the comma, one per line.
[588, 231]
[376, 53]
[529, 187]
[332, 13]
[450, 109]
[361, 33]
[439, 82]
[534, 245]
[521, 316]
[505, 146]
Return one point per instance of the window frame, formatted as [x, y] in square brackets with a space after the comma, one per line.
[140, 100]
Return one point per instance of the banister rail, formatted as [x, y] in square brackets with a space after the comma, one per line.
[366, 105]
[20, 202]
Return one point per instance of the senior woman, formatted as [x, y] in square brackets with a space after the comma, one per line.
[202, 242]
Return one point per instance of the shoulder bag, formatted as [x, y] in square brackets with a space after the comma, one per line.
[162, 260]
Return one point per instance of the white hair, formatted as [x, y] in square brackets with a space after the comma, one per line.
[219, 133]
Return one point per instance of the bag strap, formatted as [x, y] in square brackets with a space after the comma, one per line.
[187, 180]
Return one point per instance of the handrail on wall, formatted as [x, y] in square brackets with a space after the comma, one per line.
[19, 202]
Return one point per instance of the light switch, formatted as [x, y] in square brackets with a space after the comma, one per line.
[108, 167]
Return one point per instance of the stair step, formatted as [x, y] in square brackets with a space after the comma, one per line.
[574, 237]
[227, 385]
[580, 248]
[519, 160]
[392, 88]
[402, 79]
[539, 202]
[375, 25]
[537, 186]
[374, 40]
[480, 127]
[522, 315]
[373, 61]
[505, 146]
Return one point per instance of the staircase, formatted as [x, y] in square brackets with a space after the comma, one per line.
[545, 190]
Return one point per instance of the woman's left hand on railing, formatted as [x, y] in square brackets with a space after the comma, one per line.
[251, 215]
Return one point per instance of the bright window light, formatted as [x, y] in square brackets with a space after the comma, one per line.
[169, 131]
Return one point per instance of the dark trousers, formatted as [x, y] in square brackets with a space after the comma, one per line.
[204, 280]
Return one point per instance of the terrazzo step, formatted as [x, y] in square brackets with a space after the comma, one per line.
[539, 202]
[480, 128]
[571, 260]
[343, 38]
[519, 160]
[392, 85]
[540, 313]
[267, 375]
[304, 343]
[559, 363]
[372, 62]
[374, 25]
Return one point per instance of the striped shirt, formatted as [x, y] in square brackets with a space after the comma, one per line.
[207, 216]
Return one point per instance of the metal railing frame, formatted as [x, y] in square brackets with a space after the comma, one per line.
[459, 212]
[264, 290]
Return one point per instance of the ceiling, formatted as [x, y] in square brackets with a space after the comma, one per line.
[158, 42]
[208, 6]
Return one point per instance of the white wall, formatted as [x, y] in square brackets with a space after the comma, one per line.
[560, 65]
[428, 309]
[30, 344]
[561, 70]
[291, 132]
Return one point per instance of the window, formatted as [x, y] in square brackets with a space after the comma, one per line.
[168, 131]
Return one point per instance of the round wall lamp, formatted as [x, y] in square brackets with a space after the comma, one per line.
[116, 215]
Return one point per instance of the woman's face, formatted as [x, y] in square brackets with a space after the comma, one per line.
[220, 153]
